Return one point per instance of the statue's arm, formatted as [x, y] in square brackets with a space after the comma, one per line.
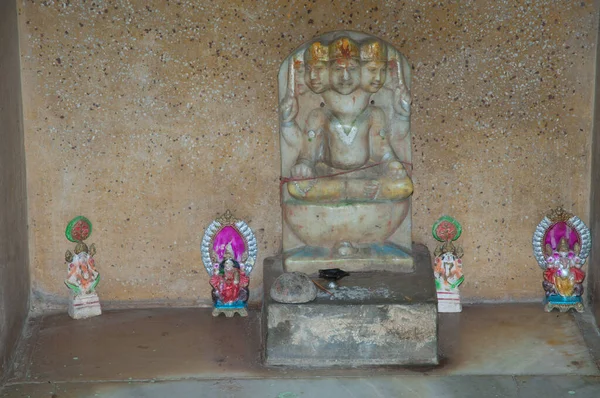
[288, 110]
[291, 133]
[405, 69]
[401, 78]
[311, 145]
[381, 150]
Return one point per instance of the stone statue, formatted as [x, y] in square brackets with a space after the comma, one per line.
[346, 186]
[345, 126]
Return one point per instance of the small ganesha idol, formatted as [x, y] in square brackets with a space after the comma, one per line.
[229, 252]
[447, 267]
[561, 244]
[82, 277]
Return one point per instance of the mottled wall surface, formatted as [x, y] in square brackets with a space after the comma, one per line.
[594, 262]
[14, 260]
[150, 117]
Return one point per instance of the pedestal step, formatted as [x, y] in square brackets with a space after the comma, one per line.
[84, 306]
[374, 318]
[229, 312]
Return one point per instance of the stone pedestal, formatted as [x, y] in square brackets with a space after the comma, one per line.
[374, 318]
[449, 301]
[230, 312]
[84, 306]
[320, 227]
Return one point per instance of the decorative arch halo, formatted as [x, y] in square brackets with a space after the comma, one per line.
[556, 216]
[446, 228]
[227, 224]
[78, 229]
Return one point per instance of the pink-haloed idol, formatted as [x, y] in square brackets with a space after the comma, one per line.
[229, 253]
[229, 236]
[561, 244]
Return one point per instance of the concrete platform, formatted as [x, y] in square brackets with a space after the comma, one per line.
[510, 350]
[373, 318]
[330, 387]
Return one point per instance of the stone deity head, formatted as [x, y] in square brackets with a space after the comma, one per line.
[316, 64]
[344, 65]
[373, 60]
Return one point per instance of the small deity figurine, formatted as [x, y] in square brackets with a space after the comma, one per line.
[561, 244]
[448, 264]
[229, 252]
[82, 277]
[229, 282]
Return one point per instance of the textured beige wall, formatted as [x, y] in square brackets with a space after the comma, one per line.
[594, 263]
[150, 117]
[14, 261]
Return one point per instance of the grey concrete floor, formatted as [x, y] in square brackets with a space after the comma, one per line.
[487, 351]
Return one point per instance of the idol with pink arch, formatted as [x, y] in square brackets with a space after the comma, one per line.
[561, 245]
[229, 253]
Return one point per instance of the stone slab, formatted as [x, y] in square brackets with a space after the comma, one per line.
[373, 318]
[330, 387]
[558, 386]
[449, 301]
[188, 343]
[388, 257]
[514, 339]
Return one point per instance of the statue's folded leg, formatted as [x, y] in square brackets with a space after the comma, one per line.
[317, 190]
[351, 189]
[395, 189]
[382, 188]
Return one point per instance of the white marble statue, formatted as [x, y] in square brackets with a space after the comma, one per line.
[345, 127]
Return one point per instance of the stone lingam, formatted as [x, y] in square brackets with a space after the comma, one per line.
[346, 188]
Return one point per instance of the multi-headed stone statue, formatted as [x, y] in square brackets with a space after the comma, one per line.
[346, 153]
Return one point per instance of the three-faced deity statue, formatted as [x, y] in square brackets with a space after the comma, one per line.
[346, 153]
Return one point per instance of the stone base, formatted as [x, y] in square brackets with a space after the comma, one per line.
[563, 304]
[374, 318]
[230, 312]
[84, 306]
[449, 301]
[388, 257]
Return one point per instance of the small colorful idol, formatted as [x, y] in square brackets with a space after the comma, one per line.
[229, 252]
[561, 244]
[448, 264]
[82, 277]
